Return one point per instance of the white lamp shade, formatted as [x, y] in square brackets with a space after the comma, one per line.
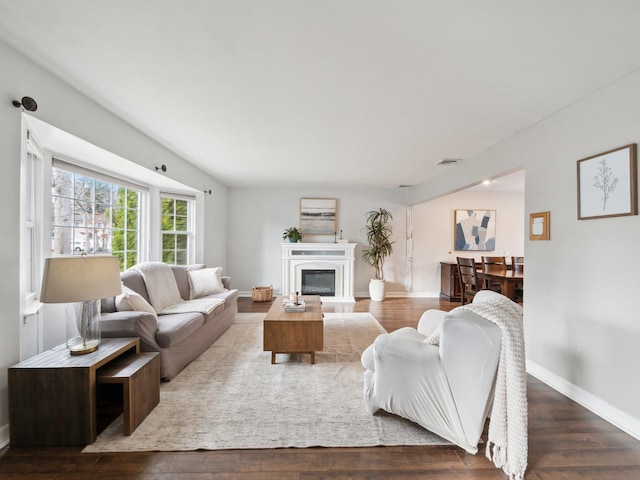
[79, 279]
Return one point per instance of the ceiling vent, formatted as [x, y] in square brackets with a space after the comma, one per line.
[448, 161]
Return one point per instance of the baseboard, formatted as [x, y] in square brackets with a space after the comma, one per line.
[402, 294]
[4, 435]
[412, 294]
[603, 409]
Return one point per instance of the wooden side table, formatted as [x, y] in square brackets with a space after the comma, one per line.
[138, 376]
[52, 396]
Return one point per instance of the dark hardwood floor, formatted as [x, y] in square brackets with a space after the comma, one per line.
[566, 442]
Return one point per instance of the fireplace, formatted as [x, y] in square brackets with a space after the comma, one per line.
[319, 269]
[318, 282]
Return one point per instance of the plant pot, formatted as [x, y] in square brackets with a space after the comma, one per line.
[293, 240]
[376, 290]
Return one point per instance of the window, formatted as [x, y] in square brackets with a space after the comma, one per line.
[30, 258]
[177, 229]
[91, 215]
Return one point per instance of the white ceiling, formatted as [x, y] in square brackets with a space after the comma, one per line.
[332, 92]
[511, 182]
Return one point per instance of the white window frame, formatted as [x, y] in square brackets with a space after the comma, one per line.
[77, 167]
[191, 223]
[31, 213]
[30, 251]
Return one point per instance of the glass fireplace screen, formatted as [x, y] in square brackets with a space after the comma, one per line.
[319, 282]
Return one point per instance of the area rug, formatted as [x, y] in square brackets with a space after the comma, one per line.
[232, 397]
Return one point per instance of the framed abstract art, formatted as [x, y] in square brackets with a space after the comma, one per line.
[475, 230]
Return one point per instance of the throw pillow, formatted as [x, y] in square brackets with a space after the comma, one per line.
[121, 300]
[133, 301]
[205, 281]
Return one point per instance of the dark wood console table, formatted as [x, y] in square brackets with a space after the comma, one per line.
[52, 396]
[450, 282]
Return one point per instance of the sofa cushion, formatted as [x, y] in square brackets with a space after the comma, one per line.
[174, 328]
[230, 297]
[204, 282]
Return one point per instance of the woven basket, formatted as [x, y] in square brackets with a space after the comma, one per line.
[262, 294]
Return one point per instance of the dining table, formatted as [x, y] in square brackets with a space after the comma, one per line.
[508, 278]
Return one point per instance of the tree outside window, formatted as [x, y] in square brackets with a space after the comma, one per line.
[91, 216]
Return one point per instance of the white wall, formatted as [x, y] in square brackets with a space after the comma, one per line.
[582, 320]
[65, 108]
[258, 216]
[433, 228]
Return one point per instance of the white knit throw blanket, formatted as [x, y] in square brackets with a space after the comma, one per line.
[200, 305]
[161, 284]
[508, 424]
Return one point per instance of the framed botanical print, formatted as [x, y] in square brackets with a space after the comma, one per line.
[608, 184]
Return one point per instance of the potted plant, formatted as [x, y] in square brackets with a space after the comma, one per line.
[379, 231]
[293, 234]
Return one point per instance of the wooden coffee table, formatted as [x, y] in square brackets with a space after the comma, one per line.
[294, 332]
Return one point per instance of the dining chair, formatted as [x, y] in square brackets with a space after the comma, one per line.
[493, 262]
[517, 263]
[469, 279]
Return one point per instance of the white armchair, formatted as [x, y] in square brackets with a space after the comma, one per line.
[448, 388]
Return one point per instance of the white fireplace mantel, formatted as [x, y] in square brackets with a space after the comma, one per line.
[330, 256]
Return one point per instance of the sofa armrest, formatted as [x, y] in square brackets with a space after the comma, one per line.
[130, 324]
[430, 321]
[401, 352]
[226, 281]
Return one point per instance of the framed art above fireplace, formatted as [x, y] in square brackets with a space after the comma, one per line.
[318, 216]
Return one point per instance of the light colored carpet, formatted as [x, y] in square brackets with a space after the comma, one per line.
[232, 397]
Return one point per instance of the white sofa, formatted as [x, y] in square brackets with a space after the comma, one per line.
[446, 388]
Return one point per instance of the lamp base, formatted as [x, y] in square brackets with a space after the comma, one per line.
[77, 347]
[83, 327]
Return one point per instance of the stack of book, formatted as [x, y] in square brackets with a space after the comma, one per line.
[294, 306]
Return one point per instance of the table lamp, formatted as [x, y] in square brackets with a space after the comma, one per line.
[85, 279]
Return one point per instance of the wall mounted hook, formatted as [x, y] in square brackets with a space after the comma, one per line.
[27, 102]
[162, 167]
